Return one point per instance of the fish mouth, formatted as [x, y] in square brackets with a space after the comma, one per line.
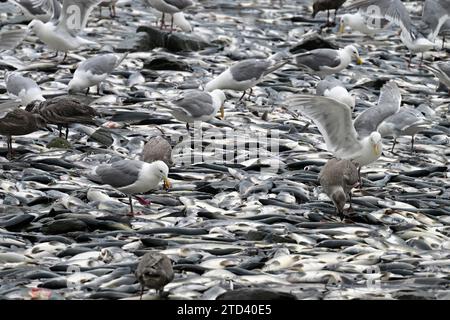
[167, 184]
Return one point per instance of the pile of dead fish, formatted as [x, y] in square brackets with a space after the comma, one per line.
[247, 223]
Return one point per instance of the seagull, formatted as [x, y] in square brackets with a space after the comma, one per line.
[245, 74]
[359, 140]
[323, 62]
[333, 88]
[170, 7]
[61, 32]
[157, 148]
[442, 71]
[133, 176]
[93, 71]
[337, 178]
[9, 39]
[407, 122]
[37, 9]
[17, 123]
[435, 14]
[24, 88]
[63, 111]
[322, 5]
[358, 22]
[396, 12]
[154, 271]
[196, 105]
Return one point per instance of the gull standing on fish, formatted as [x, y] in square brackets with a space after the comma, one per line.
[170, 7]
[17, 123]
[63, 111]
[396, 12]
[9, 39]
[322, 5]
[93, 71]
[61, 32]
[337, 178]
[133, 176]
[358, 22]
[333, 88]
[359, 140]
[196, 105]
[407, 122]
[245, 74]
[442, 71]
[323, 62]
[154, 271]
[24, 88]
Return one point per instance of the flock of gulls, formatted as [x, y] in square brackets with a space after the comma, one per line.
[341, 216]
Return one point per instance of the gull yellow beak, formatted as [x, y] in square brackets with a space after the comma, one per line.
[376, 150]
[341, 28]
[167, 184]
[222, 112]
[359, 61]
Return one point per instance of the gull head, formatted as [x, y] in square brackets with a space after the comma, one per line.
[375, 141]
[76, 85]
[353, 52]
[36, 25]
[161, 170]
[345, 21]
[219, 98]
[339, 199]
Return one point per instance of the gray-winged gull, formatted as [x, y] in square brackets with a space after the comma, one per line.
[132, 177]
[24, 88]
[170, 7]
[17, 123]
[196, 105]
[442, 71]
[406, 122]
[358, 22]
[154, 271]
[337, 179]
[93, 71]
[396, 12]
[63, 111]
[245, 74]
[61, 32]
[334, 121]
[333, 88]
[323, 62]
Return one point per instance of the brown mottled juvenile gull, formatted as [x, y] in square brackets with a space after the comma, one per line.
[157, 148]
[337, 179]
[442, 71]
[323, 62]
[93, 71]
[133, 176]
[154, 271]
[245, 74]
[196, 105]
[17, 123]
[63, 111]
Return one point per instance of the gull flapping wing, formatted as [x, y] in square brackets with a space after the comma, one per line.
[333, 119]
[388, 104]
[392, 10]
